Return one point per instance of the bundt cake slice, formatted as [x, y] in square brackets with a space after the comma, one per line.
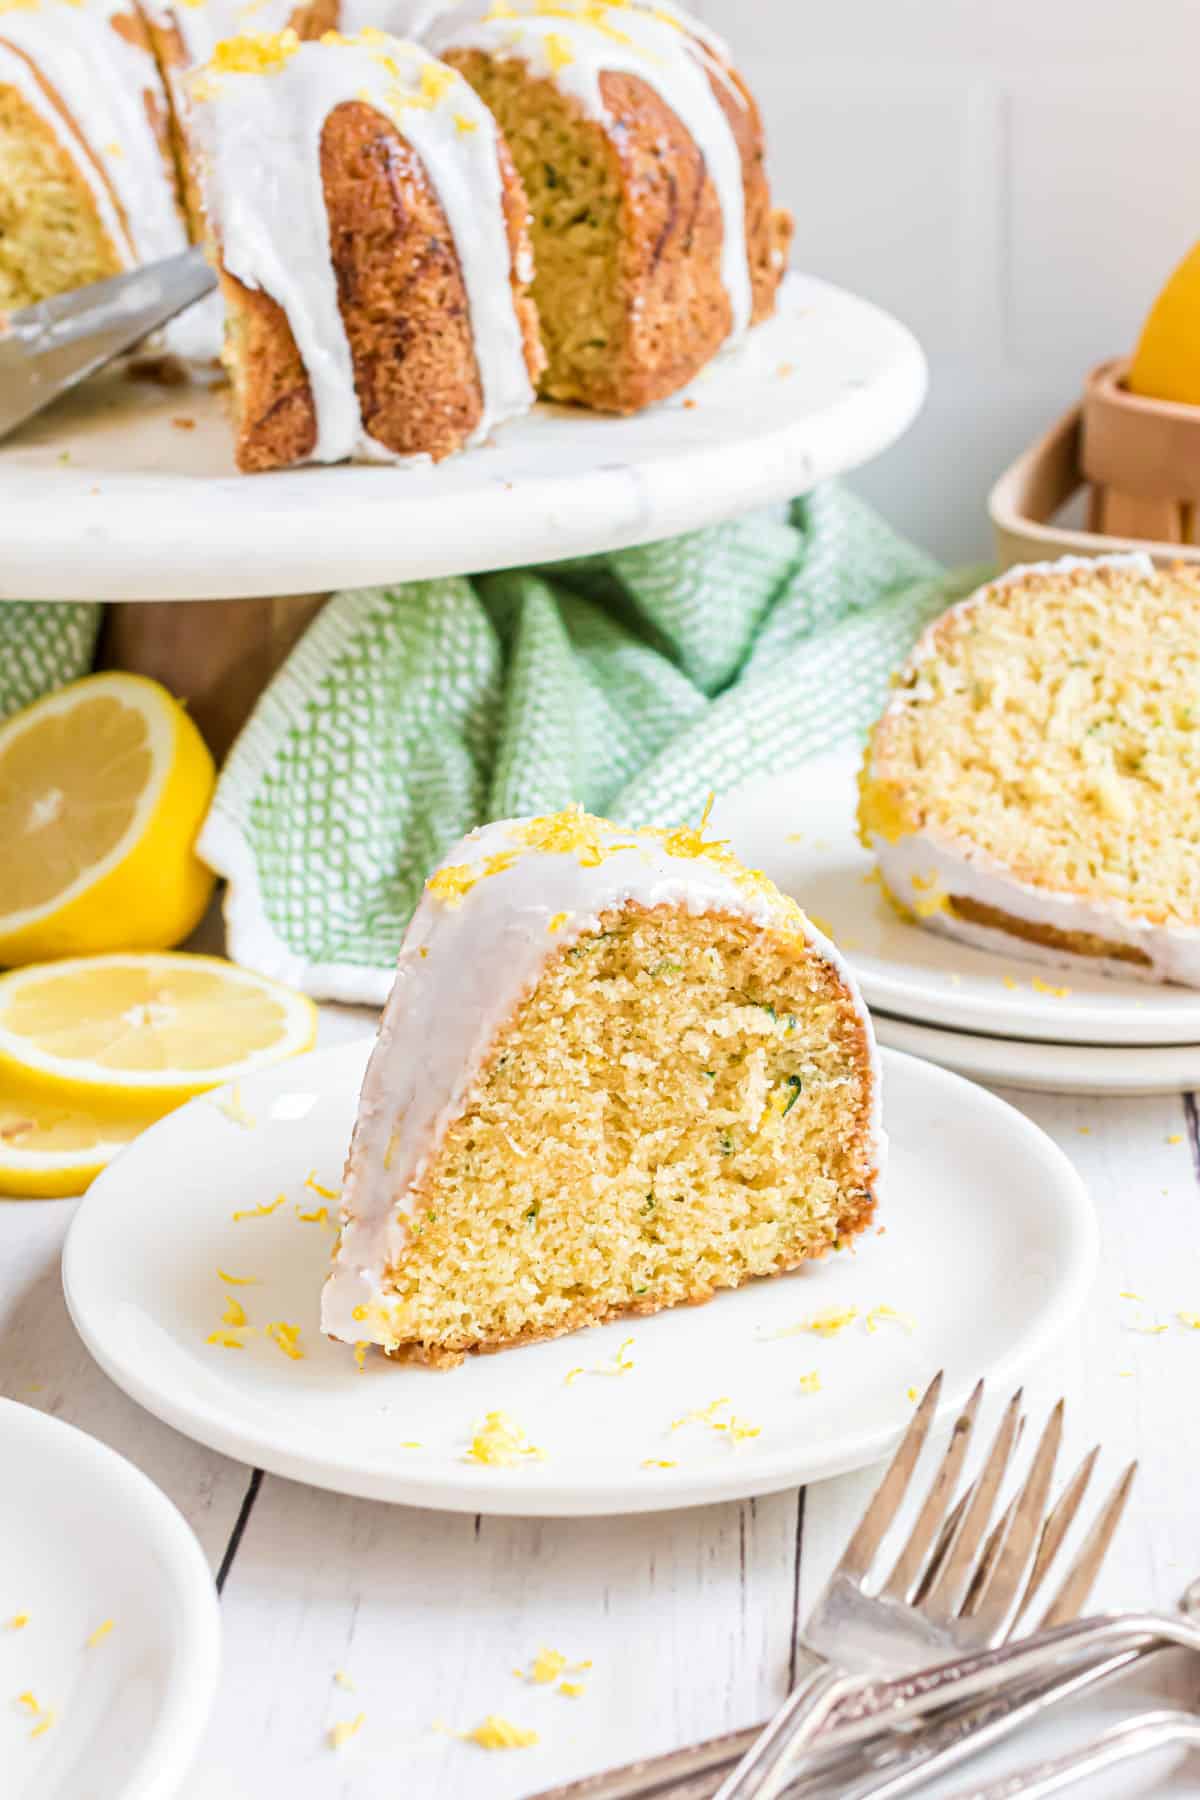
[617, 1072]
[87, 177]
[371, 237]
[1034, 783]
[641, 150]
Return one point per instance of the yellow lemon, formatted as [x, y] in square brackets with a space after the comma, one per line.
[131, 1036]
[103, 788]
[1166, 363]
[47, 1151]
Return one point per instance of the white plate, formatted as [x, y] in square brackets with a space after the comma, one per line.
[85, 1537]
[800, 827]
[105, 498]
[972, 1188]
[1051, 1068]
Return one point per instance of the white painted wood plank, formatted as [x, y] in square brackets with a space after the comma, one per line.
[686, 1618]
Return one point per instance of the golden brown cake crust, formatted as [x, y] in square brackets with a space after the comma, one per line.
[403, 303]
[658, 300]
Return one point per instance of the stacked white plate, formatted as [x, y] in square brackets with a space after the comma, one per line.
[991, 1016]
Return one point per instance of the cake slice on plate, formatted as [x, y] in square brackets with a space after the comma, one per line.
[618, 1071]
[1034, 783]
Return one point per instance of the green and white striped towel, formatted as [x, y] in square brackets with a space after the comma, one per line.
[634, 682]
[43, 645]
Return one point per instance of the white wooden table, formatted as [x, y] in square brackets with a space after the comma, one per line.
[689, 1618]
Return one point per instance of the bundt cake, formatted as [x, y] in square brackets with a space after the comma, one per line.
[617, 1072]
[641, 150]
[371, 236]
[87, 180]
[1034, 783]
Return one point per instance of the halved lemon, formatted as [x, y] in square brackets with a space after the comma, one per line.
[104, 785]
[1166, 363]
[135, 1035]
[47, 1151]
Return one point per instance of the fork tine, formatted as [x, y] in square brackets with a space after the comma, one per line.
[941, 1549]
[1000, 1584]
[940, 1600]
[987, 1561]
[1071, 1597]
[1054, 1531]
[858, 1554]
[941, 1488]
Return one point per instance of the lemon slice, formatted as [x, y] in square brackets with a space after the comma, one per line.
[125, 1035]
[104, 785]
[48, 1151]
[1166, 363]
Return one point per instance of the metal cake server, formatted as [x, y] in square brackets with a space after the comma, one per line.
[48, 348]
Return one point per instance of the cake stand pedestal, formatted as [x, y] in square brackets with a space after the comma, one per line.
[126, 492]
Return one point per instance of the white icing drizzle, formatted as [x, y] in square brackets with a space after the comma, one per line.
[260, 139]
[922, 868]
[404, 18]
[464, 968]
[203, 24]
[102, 81]
[672, 53]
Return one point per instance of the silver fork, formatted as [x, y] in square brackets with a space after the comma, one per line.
[1132, 1737]
[954, 1586]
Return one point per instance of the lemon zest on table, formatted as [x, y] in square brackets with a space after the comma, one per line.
[496, 1733]
[620, 1364]
[239, 1280]
[261, 1212]
[345, 1729]
[319, 1216]
[310, 1181]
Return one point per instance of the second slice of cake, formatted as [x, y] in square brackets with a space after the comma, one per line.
[618, 1071]
[371, 236]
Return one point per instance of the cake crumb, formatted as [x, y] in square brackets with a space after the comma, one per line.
[345, 1729]
[181, 422]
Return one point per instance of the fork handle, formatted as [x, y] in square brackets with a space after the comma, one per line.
[762, 1774]
[1135, 1737]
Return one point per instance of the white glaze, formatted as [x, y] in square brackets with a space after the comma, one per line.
[675, 58]
[102, 81]
[203, 24]
[923, 867]
[463, 969]
[260, 137]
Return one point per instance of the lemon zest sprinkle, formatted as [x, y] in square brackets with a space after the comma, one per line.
[261, 1212]
[1045, 987]
[360, 1352]
[1009, 982]
[343, 1680]
[500, 1443]
[558, 921]
[319, 1217]
[238, 1280]
[496, 1733]
[231, 1105]
[101, 1632]
[310, 1181]
[28, 1701]
[810, 1383]
[286, 1336]
[1176, 1137]
[1128, 1294]
[226, 1339]
[572, 1689]
[889, 1315]
[658, 1462]
[235, 1312]
[345, 1729]
[43, 1724]
[18, 1622]
[1190, 1319]
[912, 1395]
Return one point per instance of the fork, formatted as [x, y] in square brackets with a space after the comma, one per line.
[952, 1586]
[1132, 1737]
[880, 1705]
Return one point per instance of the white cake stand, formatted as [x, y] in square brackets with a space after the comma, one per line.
[126, 491]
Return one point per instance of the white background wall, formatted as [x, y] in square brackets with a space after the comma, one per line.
[1012, 178]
